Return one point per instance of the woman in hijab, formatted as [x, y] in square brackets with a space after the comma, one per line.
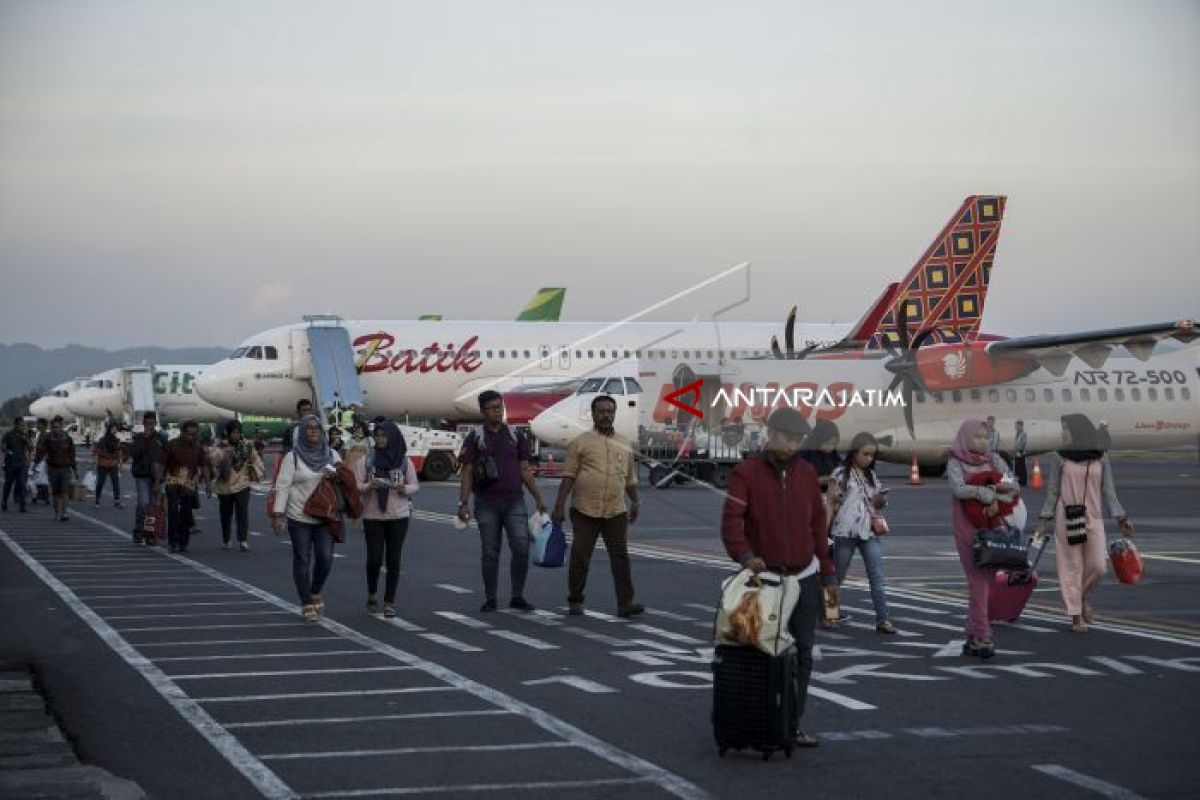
[820, 450]
[1080, 482]
[386, 477]
[969, 458]
[311, 462]
[236, 464]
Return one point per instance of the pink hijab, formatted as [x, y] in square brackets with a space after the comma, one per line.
[961, 449]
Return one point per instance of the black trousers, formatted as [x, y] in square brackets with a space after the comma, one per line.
[1021, 469]
[231, 505]
[108, 473]
[14, 483]
[803, 627]
[179, 516]
[384, 536]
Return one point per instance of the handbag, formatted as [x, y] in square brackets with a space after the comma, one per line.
[1075, 514]
[879, 523]
[754, 611]
[1002, 547]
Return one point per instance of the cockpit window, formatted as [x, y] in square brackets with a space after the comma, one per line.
[271, 353]
[591, 385]
[632, 386]
[614, 386]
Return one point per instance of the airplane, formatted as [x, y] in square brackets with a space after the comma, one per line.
[124, 392]
[914, 398]
[54, 403]
[393, 367]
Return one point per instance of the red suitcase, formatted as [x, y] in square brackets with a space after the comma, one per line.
[1011, 589]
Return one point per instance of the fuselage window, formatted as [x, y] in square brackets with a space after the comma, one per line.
[602, 354]
[1048, 395]
[579, 354]
[1030, 396]
[1135, 394]
[489, 353]
[527, 354]
[1102, 394]
[591, 353]
[994, 395]
[1119, 394]
[1066, 395]
[1085, 395]
[938, 398]
[1185, 393]
[1169, 393]
[976, 396]
[956, 395]
[919, 397]
[1152, 393]
[1011, 394]
[687, 353]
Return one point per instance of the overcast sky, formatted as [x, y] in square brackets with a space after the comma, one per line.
[188, 173]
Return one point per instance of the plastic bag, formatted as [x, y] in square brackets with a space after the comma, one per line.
[1126, 561]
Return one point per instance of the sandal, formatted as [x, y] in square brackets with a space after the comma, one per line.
[372, 604]
[389, 611]
[1078, 625]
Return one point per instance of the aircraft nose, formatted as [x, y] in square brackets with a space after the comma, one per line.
[77, 403]
[40, 407]
[219, 385]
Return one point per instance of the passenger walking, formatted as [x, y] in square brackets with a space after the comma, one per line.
[304, 408]
[1020, 448]
[1080, 484]
[108, 454]
[235, 464]
[387, 479]
[357, 445]
[969, 456]
[820, 450]
[497, 463]
[38, 474]
[598, 472]
[147, 454]
[56, 450]
[857, 523]
[17, 453]
[300, 473]
[993, 435]
[184, 467]
[774, 519]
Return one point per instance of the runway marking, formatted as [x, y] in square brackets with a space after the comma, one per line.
[450, 587]
[1177, 559]
[538, 615]
[1103, 788]
[192, 642]
[840, 699]
[402, 624]
[656, 612]
[254, 698]
[376, 718]
[595, 636]
[1025, 626]
[463, 619]
[322, 653]
[200, 676]
[1116, 666]
[925, 623]
[485, 787]
[454, 644]
[198, 613]
[259, 774]
[118, 607]
[406, 751]
[528, 641]
[254, 625]
[922, 609]
[156, 594]
[575, 682]
[868, 627]
[665, 634]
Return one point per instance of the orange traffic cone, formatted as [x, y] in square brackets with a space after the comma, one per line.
[914, 474]
[1035, 482]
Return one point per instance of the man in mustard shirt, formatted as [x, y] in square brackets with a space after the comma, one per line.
[598, 474]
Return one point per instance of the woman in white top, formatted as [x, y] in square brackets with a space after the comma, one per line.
[310, 462]
[860, 495]
[386, 478]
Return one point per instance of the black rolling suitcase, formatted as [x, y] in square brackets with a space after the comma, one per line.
[753, 698]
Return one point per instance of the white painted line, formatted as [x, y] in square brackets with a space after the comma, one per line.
[925, 623]
[200, 676]
[254, 625]
[195, 642]
[576, 682]
[528, 641]
[402, 624]
[849, 623]
[248, 698]
[656, 612]
[259, 774]
[1103, 788]
[700, 607]
[196, 614]
[406, 751]
[1115, 665]
[322, 653]
[600, 615]
[665, 634]
[463, 619]
[450, 587]
[140, 595]
[841, 699]
[487, 712]
[612, 641]
[1177, 559]
[1025, 626]
[538, 615]
[644, 770]
[484, 787]
[454, 644]
[923, 609]
[120, 606]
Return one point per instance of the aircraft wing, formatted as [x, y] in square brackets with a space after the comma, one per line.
[1054, 351]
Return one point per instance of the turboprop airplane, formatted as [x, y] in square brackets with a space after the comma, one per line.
[394, 368]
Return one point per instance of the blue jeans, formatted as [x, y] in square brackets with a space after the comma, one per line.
[312, 557]
[512, 517]
[139, 512]
[843, 551]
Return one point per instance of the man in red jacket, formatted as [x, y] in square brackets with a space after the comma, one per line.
[774, 520]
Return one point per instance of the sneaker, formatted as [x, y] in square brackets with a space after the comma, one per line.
[137, 538]
[118, 504]
[309, 614]
[389, 611]
[520, 604]
[372, 604]
[244, 547]
[488, 605]
[575, 609]
[806, 740]
[224, 545]
[885, 627]
[318, 603]
[631, 610]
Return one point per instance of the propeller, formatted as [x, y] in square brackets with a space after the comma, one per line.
[789, 351]
[903, 364]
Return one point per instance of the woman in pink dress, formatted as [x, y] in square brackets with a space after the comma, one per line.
[1080, 482]
[970, 456]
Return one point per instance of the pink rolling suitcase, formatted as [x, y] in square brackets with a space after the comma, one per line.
[1011, 589]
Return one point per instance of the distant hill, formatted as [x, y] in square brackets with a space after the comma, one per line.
[24, 366]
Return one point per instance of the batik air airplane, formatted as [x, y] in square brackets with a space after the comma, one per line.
[402, 370]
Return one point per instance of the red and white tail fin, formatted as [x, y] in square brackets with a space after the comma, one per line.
[946, 289]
